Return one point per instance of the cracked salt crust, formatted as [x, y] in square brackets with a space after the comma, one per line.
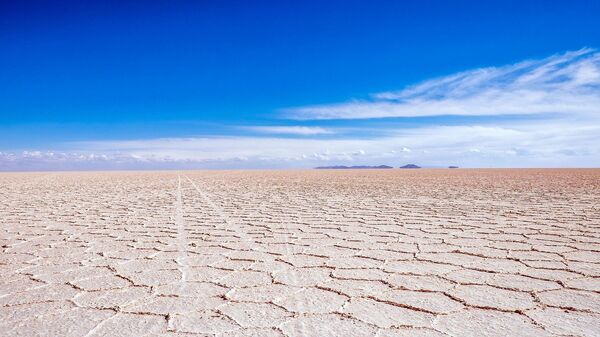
[301, 253]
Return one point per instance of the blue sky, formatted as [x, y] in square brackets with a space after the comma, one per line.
[104, 85]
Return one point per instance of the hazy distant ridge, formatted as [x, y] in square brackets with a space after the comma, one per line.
[359, 167]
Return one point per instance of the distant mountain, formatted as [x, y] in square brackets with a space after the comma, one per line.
[410, 166]
[360, 167]
[452, 166]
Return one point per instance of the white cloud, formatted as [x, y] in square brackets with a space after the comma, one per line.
[514, 144]
[291, 130]
[544, 143]
[568, 84]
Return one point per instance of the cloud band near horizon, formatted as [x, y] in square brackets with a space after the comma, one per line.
[562, 91]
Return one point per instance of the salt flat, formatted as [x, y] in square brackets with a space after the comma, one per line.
[301, 253]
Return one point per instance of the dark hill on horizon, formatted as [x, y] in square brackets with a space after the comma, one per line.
[410, 166]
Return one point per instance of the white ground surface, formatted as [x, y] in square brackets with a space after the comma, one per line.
[301, 253]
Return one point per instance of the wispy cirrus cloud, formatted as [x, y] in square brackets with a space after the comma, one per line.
[290, 130]
[568, 83]
[562, 91]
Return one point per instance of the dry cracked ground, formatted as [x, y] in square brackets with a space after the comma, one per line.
[301, 253]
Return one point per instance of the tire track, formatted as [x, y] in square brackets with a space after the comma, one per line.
[182, 241]
[231, 224]
[182, 244]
